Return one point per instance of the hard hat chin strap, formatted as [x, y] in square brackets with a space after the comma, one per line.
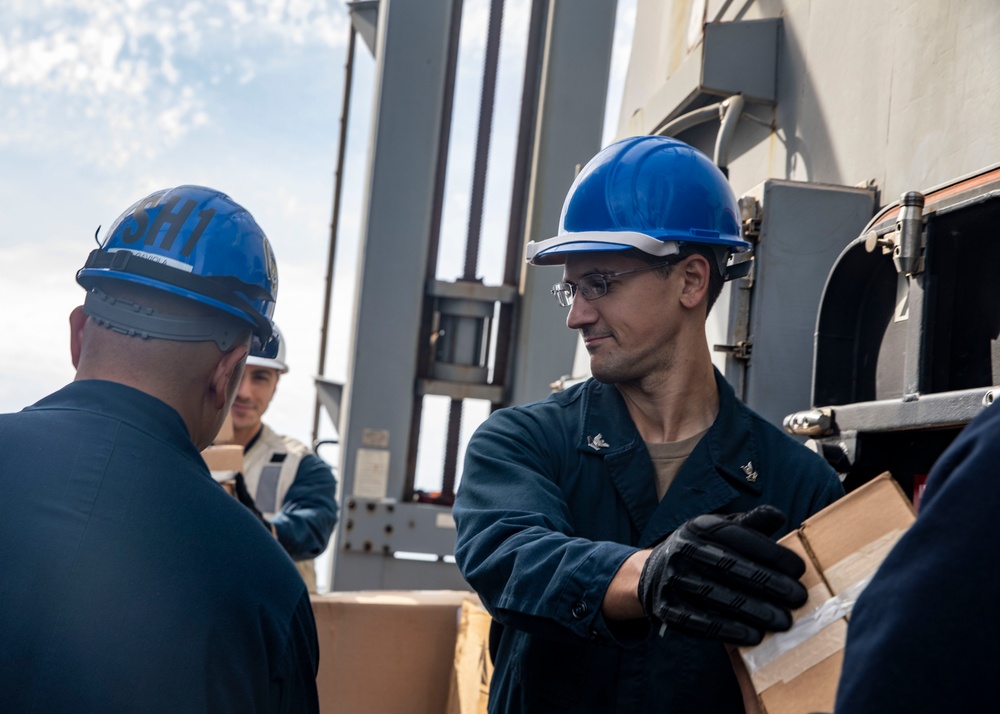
[134, 320]
[739, 267]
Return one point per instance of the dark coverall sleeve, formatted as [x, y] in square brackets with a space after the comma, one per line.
[922, 635]
[516, 543]
[293, 689]
[309, 512]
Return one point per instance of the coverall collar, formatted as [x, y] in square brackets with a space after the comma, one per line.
[132, 406]
[719, 467]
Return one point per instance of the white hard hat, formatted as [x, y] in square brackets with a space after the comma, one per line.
[278, 362]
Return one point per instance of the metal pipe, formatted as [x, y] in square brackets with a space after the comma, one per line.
[514, 250]
[527, 125]
[727, 111]
[732, 110]
[686, 121]
[486, 102]
[427, 325]
[906, 254]
[338, 183]
[451, 450]
[444, 140]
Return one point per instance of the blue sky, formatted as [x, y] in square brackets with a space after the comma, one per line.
[105, 101]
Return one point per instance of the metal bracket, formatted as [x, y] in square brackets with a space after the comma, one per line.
[741, 350]
[384, 527]
[813, 422]
[750, 217]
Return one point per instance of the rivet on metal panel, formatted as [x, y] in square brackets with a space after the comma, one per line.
[989, 397]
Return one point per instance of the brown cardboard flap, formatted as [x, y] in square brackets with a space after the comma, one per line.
[843, 545]
[849, 538]
[793, 662]
[473, 670]
[782, 656]
[224, 457]
[387, 651]
[813, 691]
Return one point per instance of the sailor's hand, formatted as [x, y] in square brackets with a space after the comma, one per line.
[723, 577]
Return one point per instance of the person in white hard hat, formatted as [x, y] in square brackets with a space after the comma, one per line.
[293, 490]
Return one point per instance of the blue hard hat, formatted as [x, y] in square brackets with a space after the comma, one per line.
[647, 192]
[197, 243]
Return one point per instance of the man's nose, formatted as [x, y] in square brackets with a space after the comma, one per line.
[244, 391]
[581, 313]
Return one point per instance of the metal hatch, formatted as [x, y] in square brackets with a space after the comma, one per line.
[907, 348]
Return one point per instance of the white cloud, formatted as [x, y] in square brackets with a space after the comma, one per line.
[108, 69]
[103, 101]
[35, 354]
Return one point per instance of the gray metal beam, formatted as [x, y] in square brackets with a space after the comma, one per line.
[576, 65]
[925, 411]
[364, 17]
[410, 96]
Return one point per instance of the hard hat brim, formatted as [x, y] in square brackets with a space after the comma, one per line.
[271, 363]
[554, 250]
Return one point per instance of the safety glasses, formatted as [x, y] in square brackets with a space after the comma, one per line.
[595, 286]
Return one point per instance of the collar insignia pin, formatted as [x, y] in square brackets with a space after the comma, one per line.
[749, 471]
[597, 442]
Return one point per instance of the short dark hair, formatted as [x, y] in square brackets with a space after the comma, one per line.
[715, 276]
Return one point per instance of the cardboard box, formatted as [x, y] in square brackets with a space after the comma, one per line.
[473, 669]
[390, 652]
[226, 434]
[223, 458]
[224, 461]
[796, 672]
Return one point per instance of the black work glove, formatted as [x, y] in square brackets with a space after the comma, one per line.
[722, 577]
[244, 497]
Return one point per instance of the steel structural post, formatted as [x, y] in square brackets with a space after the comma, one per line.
[412, 50]
[576, 65]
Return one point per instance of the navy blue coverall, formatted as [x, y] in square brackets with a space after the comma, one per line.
[556, 495]
[922, 636]
[131, 581]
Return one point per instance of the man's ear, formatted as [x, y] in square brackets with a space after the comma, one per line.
[695, 275]
[77, 319]
[228, 363]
